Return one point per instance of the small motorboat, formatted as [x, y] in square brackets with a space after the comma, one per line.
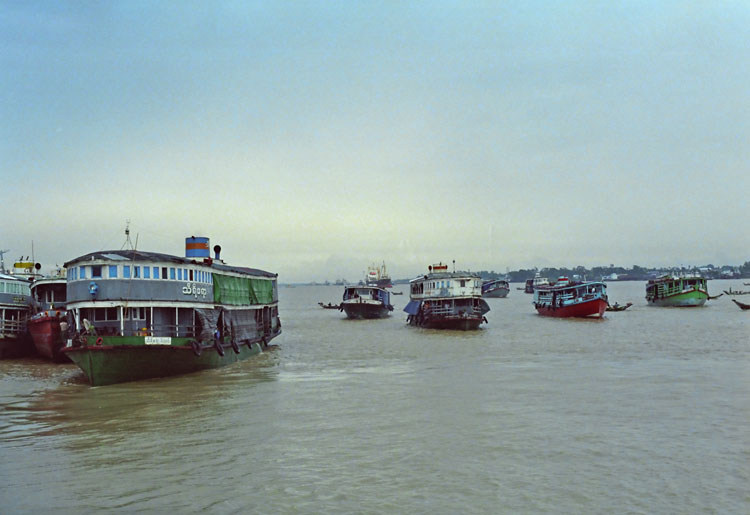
[742, 305]
[715, 296]
[328, 306]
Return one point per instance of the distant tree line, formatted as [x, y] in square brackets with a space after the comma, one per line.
[635, 273]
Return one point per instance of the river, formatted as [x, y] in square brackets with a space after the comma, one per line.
[644, 411]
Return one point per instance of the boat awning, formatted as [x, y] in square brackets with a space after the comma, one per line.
[412, 308]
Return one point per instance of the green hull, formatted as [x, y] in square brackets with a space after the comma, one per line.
[692, 298]
[131, 360]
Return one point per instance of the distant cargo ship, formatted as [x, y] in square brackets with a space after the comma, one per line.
[378, 276]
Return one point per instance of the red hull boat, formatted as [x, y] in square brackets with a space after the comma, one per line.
[47, 334]
[565, 298]
[595, 307]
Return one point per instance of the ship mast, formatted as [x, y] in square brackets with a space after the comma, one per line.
[2, 260]
[128, 243]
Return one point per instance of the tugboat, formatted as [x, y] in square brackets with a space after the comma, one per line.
[15, 306]
[565, 298]
[139, 315]
[48, 325]
[677, 291]
[446, 300]
[366, 302]
[495, 288]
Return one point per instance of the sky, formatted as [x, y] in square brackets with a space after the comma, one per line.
[314, 139]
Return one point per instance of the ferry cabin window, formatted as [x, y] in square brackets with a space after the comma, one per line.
[104, 314]
[191, 275]
[463, 283]
[136, 272]
[82, 269]
[135, 314]
[113, 271]
[156, 272]
[126, 271]
[96, 271]
[146, 272]
[164, 272]
[179, 274]
[172, 274]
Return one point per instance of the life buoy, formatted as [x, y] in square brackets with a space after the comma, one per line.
[235, 347]
[99, 341]
[197, 347]
[219, 348]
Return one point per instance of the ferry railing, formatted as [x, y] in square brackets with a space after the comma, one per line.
[450, 310]
[12, 328]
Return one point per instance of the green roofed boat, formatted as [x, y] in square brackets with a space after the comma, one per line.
[137, 315]
[677, 291]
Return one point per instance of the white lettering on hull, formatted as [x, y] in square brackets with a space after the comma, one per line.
[157, 340]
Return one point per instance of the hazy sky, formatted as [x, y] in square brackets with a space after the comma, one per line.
[315, 138]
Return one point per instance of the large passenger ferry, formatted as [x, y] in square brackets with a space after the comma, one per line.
[565, 298]
[446, 300]
[138, 315]
[15, 307]
[677, 291]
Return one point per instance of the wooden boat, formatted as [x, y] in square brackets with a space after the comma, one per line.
[329, 306]
[49, 324]
[742, 305]
[565, 298]
[446, 300]
[714, 297]
[677, 291]
[618, 307]
[495, 288]
[736, 292]
[361, 302]
[140, 315]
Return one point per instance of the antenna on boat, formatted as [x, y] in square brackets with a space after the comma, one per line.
[128, 243]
